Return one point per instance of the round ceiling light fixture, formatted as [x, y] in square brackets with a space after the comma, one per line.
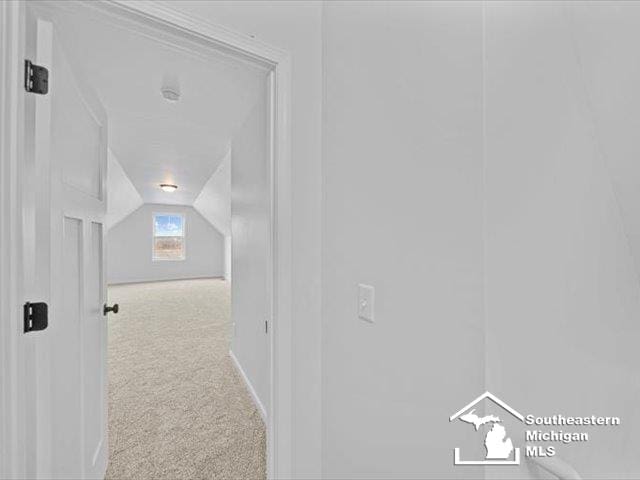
[168, 187]
[170, 88]
[170, 94]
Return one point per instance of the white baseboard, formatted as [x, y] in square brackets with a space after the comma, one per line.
[161, 280]
[252, 392]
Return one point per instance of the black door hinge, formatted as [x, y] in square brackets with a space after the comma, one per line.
[36, 316]
[36, 78]
[266, 326]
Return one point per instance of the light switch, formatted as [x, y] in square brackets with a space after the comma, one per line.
[366, 302]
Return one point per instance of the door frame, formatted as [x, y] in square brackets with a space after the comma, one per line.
[13, 448]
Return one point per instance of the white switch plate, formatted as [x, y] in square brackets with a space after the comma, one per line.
[366, 298]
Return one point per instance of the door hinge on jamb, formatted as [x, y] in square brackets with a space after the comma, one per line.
[36, 316]
[266, 326]
[36, 78]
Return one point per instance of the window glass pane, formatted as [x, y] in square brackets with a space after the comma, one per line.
[168, 237]
[168, 226]
[168, 247]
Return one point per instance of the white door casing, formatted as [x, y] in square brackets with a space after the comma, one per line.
[66, 372]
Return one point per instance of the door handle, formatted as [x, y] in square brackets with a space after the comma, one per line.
[113, 309]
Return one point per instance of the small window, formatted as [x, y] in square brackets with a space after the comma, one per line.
[168, 237]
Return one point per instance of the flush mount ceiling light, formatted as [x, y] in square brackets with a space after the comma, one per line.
[167, 187]
[170, 94]
[170, 88]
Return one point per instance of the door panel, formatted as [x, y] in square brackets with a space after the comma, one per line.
[76, 132]
[65, 371]
[66, 134]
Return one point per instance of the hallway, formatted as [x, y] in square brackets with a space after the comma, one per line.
[177, 407]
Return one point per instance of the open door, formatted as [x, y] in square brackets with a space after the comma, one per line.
[65, 204]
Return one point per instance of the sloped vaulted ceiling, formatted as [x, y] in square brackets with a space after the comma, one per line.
[156, 141]
[122, 197]
[214, 201]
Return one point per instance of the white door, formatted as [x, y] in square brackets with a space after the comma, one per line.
[65, 200]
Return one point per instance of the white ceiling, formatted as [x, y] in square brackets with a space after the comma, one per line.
[154, 140]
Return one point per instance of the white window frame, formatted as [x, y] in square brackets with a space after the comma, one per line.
[153, 237]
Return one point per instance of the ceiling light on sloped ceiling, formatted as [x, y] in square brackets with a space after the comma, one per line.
[170, 94]
[168, 187]
[170, 88]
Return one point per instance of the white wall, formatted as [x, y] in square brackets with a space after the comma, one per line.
[250, 231]
[505, 260]
[295, 26]
[562, 292]
[606, 39]
[402, 211]
[214, 204]
[123, 198]
[129, 243]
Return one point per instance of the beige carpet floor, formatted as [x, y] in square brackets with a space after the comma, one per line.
[177, 407]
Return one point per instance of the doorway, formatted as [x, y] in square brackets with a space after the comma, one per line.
[40, 429]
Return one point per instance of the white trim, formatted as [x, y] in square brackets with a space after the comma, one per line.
[209, 35]
[225, 39]
[161, 280]
[247, 383]
[12, 455]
